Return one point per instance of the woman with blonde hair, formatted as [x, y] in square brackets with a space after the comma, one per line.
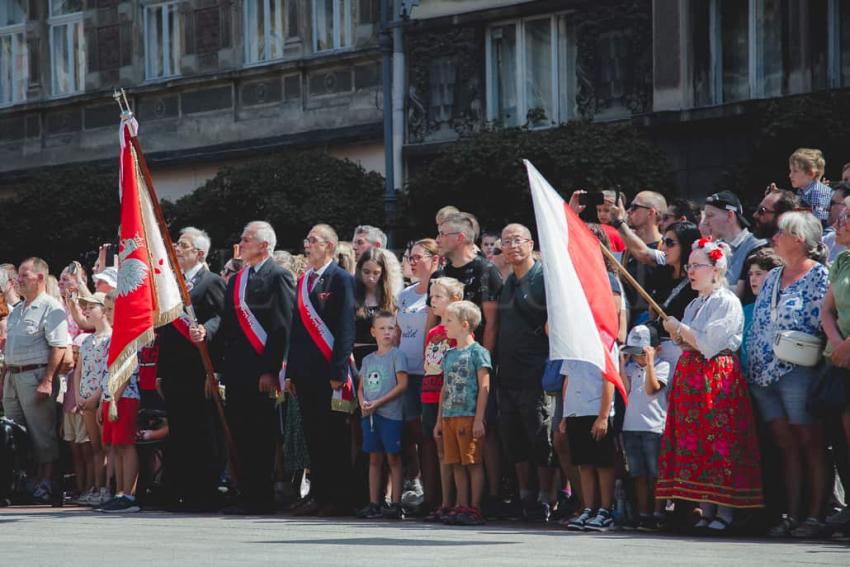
[345, 257]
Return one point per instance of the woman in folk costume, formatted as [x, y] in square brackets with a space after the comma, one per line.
[709, 451]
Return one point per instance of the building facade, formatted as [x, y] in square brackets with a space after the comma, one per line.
[213, 82]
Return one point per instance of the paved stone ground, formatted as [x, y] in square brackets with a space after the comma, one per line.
[34, 536]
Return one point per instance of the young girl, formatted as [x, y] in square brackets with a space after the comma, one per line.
[88, 376]
[374, 291]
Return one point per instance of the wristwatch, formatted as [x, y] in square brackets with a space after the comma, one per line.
[618, 223]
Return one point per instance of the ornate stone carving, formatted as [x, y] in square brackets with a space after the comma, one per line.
[444, 96]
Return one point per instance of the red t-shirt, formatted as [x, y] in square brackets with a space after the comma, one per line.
[617, 243]
[436, 345]
[148, 357]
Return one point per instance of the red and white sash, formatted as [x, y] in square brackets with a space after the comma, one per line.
[254, 332]
[343, 399]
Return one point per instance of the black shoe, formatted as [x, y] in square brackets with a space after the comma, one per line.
[248, 510]
[538, 512]
[120, 505]
[393, 512]
[310, 508]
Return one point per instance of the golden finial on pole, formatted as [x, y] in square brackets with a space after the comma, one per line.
[120, 97]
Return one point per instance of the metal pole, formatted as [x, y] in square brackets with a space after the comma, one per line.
[385, 41]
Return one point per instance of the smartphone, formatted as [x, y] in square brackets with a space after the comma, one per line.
[72, 268]
[236, 252]
[591, 199]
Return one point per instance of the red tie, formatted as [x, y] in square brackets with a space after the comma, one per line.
[311, 280]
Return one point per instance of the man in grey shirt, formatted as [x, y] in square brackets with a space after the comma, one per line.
[36, 340]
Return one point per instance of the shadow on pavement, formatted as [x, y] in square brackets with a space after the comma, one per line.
[386, 541]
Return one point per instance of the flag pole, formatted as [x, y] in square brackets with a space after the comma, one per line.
[633, 282]
[184, 292]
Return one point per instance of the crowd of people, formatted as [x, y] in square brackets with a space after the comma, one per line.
[358, 382]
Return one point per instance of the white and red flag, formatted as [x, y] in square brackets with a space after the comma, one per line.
[578, 292]
[148, 295]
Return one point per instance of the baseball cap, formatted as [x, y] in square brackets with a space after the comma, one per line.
[728, 201]
[98, 298]
[109, 275]
[640, 336]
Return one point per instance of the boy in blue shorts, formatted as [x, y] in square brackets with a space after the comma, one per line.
[383, 378]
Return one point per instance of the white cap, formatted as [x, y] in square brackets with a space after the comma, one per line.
[639, 337]
[109, 275]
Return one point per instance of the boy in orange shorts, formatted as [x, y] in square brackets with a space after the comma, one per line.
[463, 399]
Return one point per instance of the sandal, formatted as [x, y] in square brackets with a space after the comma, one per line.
[708, 530]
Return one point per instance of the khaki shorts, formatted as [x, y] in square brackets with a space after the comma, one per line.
[459, 447]
[74, 427]
[38, 416]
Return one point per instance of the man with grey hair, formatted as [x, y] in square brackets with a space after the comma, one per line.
[194, 463]
[35, 347]
[365, 237]
[254, 338]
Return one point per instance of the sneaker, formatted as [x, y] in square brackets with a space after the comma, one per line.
[839, 519]
[436, 515]
[121, 505]
[371, 512]
[393, 512]
[579, 523]
[450, 516]
[41, 494]
[469, 517]
[100, 497]
[538, 512]
[601, 523]
[413, 495]
[810, 528]
[784, 527]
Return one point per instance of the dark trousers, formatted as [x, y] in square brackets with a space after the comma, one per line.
[253, 424]
[193, 456]
[329, 445]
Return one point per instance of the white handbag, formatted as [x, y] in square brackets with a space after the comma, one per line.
[795, 347]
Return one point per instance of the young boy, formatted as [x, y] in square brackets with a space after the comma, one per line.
[74, 430]
[460, 418]
[444, 291]
[587, 422]
[646, 380]
[383, 379]
[805, 170]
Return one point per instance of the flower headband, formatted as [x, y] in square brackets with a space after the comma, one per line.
[716, 251]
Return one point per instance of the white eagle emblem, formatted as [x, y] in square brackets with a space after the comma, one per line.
[132, 272]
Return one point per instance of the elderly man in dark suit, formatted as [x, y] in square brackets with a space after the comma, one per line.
[193, 462]
[317, 368]
[253, 340]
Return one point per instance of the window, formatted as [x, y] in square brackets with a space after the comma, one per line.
[268, 23]
[528, 63]
[721, 51]
[838, 18]
[13, 52]
[67, 47]
[331, 24]
[162, 40]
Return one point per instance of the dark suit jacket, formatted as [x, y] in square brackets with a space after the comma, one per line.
[333, 298]
[270, 294]
[177, 356]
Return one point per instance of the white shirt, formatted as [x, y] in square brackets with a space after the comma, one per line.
[412, 320]
[717, 321]
[193, 271]
[584, 388]
[646, 412]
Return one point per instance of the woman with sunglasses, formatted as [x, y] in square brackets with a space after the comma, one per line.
[676, 245]
[709, 450]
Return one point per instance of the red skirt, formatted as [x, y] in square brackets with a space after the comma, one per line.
[709, 450]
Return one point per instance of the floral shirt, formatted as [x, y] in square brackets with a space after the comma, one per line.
[93, 355]
[798, 308]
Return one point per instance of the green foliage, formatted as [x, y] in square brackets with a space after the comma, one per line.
[60, 216]
[292, 191]
[484, 174]
[818, 120]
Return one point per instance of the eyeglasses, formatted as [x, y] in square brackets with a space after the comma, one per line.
[764, 211]
[184, 245]
[842, 219]
[689, 267]
[670, 243]
[514, 242]
[312, 240]
[416, 258]
[635, 206]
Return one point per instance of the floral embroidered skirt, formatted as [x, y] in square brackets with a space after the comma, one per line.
[709, 450]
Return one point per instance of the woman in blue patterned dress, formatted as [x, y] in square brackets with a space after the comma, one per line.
[791, 299]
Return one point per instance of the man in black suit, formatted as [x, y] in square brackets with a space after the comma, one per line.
[254, 337]
[314, 377]
[193, 458]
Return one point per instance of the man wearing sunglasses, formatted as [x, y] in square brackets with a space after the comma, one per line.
[836, 209]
